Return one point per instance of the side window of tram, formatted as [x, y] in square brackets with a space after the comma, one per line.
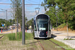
[35, 27]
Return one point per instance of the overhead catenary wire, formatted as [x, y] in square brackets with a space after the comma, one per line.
[11, 4]
[12, 11]
[25, 4]
[7, 10]
[30, 1]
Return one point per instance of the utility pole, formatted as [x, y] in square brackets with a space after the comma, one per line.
[6, 14]
[23, 22]
[56, 19]
[17, 24]
[6, 18]
[57, 16]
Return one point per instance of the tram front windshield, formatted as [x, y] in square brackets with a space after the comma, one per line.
[42, 24]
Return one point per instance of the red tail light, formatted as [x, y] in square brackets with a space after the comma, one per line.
[46, 32]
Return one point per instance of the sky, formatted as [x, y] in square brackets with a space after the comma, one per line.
[29, 9]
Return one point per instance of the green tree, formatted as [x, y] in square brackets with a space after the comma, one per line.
[67, 7]
[52, 15]
[50, 2]
[17, 7]
[52, 11]
[3, 21]
[30, 22]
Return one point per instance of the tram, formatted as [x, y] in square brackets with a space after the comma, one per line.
[41, 26]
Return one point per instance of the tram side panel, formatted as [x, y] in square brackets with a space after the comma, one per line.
[49, 29]
[35, 30]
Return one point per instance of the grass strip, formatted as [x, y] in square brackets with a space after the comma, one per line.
[62, 44]
[18, 37]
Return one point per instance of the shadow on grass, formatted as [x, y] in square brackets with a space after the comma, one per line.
[72, 36]
[30, 43]
[57, 33]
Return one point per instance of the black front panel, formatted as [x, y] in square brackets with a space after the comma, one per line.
[42, 16]
[42, 34]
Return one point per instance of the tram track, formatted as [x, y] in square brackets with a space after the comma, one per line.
[41, 45]
[1, 36]
[58, 45]
[43, 48]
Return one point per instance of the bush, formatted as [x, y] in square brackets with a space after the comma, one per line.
[72, 24]
[68, 39]
[11, 36]
[62, 25]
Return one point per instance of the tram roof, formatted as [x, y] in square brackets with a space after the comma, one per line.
[38, 15]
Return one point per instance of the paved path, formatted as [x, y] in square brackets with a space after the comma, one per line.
[60, 35]
[14, 31]
[28, 31]
[10, 31]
